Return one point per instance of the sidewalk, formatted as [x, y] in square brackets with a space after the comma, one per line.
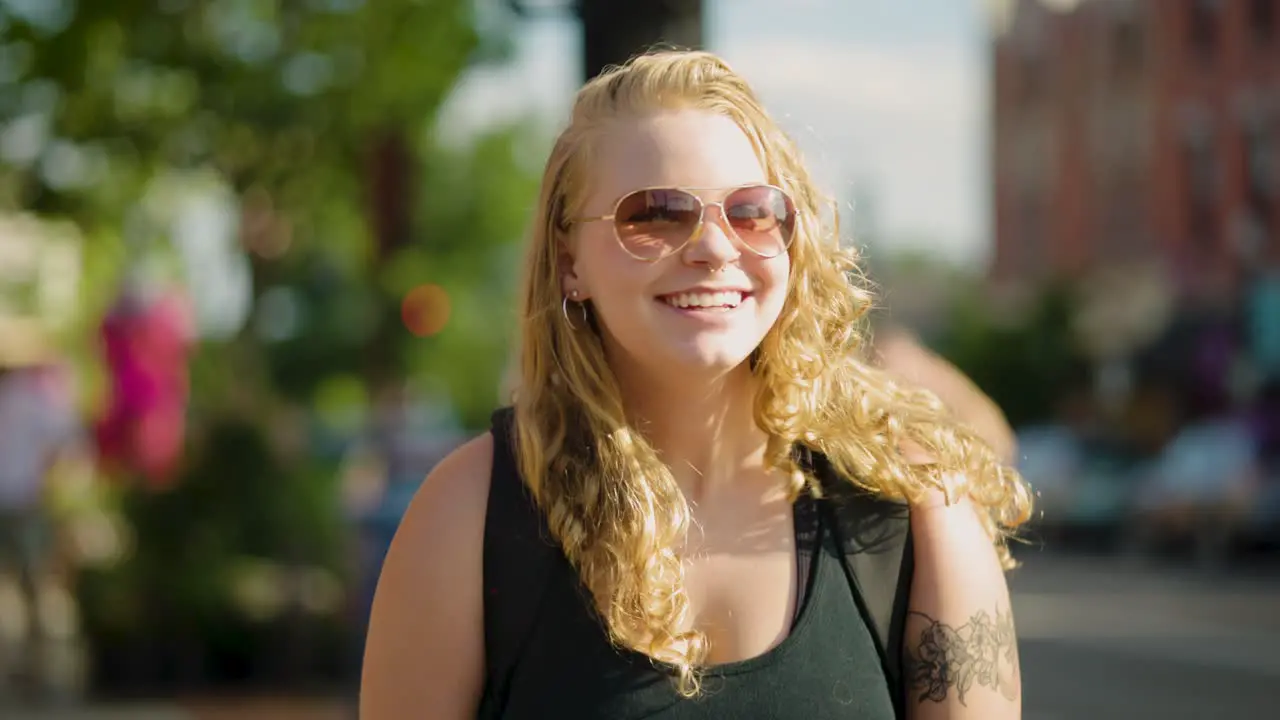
[212, 709]
[112, 712]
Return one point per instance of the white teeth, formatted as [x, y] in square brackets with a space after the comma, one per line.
[731, 299]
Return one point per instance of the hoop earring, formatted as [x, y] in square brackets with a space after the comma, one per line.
[564, 310]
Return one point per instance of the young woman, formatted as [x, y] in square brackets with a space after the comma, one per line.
[690, 334]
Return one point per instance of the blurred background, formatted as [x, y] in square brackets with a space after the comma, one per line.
[256, 277]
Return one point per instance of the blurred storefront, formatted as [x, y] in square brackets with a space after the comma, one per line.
[1142, 130]
[1134, 148]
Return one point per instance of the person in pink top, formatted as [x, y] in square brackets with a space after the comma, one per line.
[146, 344]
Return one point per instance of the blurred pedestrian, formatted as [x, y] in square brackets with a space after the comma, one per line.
[39, 427]
[147, 338]
[405, 437]
[703, 503]
[901, 353]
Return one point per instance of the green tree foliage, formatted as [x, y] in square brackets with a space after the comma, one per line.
[1026, 366]
[280, 94]
[320, 114]
[321, 118]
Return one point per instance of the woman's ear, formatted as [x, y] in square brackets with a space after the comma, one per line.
[570, 285]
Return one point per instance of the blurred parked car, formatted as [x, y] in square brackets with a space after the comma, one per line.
[1085, 486]
[1204, 492]
[1263, 524]
[1049, 458]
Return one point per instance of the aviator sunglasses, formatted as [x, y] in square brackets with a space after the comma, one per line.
[652, 223]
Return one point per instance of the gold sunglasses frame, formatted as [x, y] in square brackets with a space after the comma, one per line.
[696, 232]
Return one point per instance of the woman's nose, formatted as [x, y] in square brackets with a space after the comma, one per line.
[714, 243]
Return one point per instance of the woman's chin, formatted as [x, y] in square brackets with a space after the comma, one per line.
[705, 360]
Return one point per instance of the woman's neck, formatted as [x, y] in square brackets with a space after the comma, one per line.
[704, 431]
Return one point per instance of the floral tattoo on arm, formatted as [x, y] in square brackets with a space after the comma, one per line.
[983, 651]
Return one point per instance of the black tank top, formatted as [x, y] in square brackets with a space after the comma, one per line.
[827, 667]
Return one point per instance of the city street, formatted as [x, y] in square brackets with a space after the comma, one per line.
[1103, 639]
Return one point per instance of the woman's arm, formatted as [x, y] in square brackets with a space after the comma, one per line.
[425, 650]
[960, 650]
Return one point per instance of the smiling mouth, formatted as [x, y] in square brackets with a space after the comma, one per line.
[726, 300]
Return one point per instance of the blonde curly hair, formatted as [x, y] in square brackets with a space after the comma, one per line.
[609, 500]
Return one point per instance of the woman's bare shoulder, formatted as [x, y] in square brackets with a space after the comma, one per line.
[426, 633]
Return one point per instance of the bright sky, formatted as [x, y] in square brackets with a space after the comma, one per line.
[886, 95]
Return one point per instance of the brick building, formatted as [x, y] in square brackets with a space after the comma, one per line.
[1137, 134]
